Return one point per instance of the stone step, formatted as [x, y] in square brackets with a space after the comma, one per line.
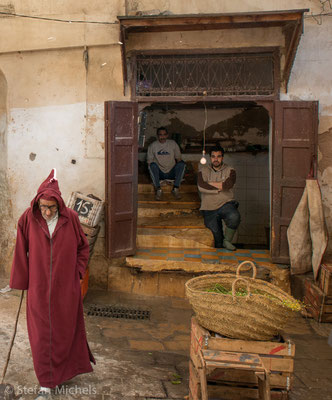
[158, 209]
[165, 222]
[185, 238]
[155, 265]
[202, 260]
[148, 188]
[187, 199]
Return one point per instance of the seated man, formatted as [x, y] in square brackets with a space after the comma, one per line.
[215, 183]
[164, 162]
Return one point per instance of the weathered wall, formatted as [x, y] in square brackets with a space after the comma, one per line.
[228, 126]
[6, 237]
[311, 80]
[55, 93]
[58, 77]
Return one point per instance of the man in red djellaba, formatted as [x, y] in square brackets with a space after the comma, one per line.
[50, 257]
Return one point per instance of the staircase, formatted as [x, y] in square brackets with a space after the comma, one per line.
[169, 222]
[173, 245]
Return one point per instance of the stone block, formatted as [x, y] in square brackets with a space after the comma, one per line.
[172, 285]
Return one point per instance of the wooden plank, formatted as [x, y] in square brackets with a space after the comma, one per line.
[317, 312]
[89, 230]
[242, 393]
[278, 357]
[194, 384]
[263, 385]
[284, 349]
[121, 178]
[197, 361]
[277, 380]
[202, 379]
[294, 146]
[198, 21]
[313, 292]
[278, 364]
[325, 279]
[231, 357]
[250, 346]
[242, 367]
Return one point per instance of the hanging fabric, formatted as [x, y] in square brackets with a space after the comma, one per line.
[307, 233]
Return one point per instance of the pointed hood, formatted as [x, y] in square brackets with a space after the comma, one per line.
[49, 190]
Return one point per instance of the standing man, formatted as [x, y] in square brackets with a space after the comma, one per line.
[50, 257]
[164, 162]
[215, 183]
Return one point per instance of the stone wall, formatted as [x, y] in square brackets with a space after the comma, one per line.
[58, 74]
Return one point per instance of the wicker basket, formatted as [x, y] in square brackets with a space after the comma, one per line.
[254, 316]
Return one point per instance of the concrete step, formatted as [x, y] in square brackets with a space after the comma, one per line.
[226, 266]
[188, 199]
[185, 238]
[148, 188]
[158, 209]
[155, 265]
[165, 222]
[179, 264]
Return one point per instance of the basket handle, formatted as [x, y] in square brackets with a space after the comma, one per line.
[233, 287]
[254, 271]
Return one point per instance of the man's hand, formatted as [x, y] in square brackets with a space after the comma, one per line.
[217, 185]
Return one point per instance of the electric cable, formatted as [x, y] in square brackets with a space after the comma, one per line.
[69, 21]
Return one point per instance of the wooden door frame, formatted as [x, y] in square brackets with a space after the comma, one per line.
[269, 105]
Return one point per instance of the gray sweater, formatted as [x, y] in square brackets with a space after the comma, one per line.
[164, 154]
[211, 197]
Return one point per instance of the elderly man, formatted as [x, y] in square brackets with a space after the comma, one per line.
[164, 162]
[50, 257]
[215, 183]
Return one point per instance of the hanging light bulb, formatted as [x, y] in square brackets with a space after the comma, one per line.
[203, 159]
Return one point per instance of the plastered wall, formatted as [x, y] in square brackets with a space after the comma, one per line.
[58, 75]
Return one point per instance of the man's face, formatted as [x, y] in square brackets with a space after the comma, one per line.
[216, 159]
[162, 136]
[48, 208]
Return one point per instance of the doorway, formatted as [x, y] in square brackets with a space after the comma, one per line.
[243, 130]
[293, 148]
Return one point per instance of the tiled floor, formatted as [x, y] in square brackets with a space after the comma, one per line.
[212, 256]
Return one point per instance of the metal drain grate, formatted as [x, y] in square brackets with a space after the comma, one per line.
[117, 312]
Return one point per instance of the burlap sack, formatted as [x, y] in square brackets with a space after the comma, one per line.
[307, 233]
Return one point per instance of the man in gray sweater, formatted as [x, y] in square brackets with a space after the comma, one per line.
[164, 162]
[215, 183]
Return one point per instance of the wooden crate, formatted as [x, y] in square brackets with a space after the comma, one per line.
[325, 279]
[278, 357]
[227, 392]
[318, 305]
[85, 283]
[90, 232]
[89, 208]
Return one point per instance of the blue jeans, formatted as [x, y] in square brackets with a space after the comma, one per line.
[175, 173]
[213, 220]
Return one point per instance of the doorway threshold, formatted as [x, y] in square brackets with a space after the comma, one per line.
[205, 255]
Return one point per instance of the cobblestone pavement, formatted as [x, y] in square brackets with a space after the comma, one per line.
[148, 359]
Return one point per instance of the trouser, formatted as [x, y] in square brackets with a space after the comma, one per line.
[175, 173]
[213, 220]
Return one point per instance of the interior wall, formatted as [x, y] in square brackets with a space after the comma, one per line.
[252, 191]
[244, 134]
[235, 129]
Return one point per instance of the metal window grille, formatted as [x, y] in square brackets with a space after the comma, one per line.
[205, 75]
